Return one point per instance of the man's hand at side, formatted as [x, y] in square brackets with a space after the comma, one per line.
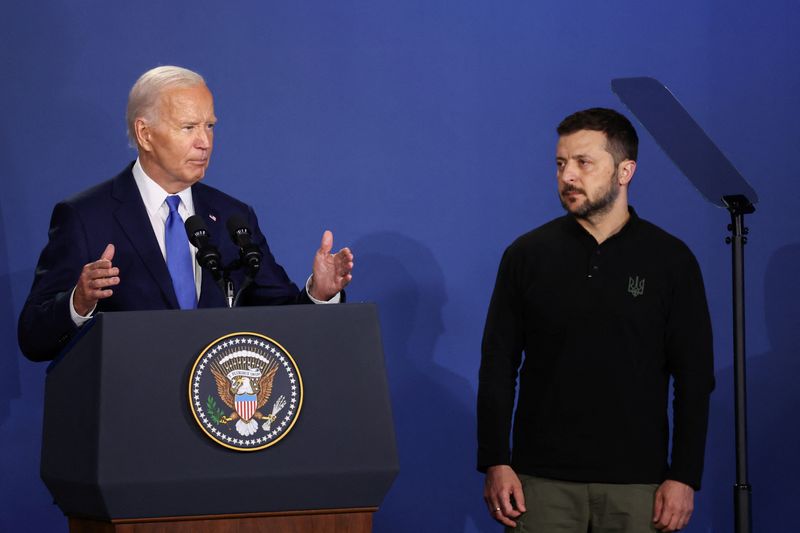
[673, 506]
[331, 272]
[95, 282]
[502, 490]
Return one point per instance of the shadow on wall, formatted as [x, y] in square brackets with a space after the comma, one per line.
[9, 355]
[438, 488]
[773, 403]
[39, 167]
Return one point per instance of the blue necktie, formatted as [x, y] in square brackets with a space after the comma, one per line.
[179, 260]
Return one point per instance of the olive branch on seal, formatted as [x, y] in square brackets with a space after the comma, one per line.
[215, 413]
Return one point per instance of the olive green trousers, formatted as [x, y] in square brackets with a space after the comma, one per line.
[567, 507]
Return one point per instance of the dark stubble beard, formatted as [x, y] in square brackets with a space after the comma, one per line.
[592, 208]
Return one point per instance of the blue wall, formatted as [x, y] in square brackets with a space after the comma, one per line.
[422, 133]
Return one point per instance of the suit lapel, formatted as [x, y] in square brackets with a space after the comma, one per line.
[132, 217]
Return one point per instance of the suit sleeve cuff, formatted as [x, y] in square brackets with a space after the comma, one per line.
[334, 300]
[80, 320]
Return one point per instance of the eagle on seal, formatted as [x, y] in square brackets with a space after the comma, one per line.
[245, 390]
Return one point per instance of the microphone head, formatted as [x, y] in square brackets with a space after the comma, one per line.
[237, 228]
[249, 254]
[195, 229]
[207, 254]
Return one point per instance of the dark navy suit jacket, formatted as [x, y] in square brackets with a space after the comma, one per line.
[113, 212]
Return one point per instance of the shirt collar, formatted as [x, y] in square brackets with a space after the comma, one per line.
[630, 225]
[153, 195]
[575, 227]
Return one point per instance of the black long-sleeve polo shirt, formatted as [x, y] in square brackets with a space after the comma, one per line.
[603, 328]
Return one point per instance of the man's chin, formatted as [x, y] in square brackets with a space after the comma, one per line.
[572, 206]
[196, 176]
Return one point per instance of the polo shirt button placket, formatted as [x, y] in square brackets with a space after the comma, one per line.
[593, 266]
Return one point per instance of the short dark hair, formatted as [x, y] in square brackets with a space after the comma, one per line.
[621, 139]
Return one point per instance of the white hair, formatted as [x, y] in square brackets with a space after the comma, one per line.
[145, 93]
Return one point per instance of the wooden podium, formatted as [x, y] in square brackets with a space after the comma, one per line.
[320, 521]
[122, 451]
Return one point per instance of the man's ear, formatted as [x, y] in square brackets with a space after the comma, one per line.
[143, 130]
[625, 171]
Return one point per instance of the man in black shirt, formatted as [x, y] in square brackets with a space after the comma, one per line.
[607, 308]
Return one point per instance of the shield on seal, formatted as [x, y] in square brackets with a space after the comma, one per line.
[245, 405]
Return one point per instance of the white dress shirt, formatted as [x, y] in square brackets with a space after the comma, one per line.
[155, 202]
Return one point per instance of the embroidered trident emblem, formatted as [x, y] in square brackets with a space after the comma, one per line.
[635, 286]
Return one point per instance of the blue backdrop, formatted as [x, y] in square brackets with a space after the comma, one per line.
[422, 133]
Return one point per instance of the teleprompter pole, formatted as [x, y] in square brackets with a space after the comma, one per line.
[738, 206]
[696, 155]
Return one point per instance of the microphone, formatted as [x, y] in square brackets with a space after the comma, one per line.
[207, 254]
[249, 253]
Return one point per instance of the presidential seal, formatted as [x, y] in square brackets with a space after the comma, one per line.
[245, 391]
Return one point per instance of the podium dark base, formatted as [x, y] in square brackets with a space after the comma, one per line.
[318, 521]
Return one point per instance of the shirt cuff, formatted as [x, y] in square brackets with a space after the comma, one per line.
[334, 300]
[80, 320]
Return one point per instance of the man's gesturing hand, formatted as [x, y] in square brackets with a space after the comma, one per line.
[502, 484]
[673, 506]
[94, 283]
[331, 272]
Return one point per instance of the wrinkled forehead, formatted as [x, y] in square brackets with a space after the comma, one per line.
[195, 102]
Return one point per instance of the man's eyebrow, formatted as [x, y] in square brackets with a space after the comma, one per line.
[575, 156]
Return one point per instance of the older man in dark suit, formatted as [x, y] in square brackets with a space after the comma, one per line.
[115, 247]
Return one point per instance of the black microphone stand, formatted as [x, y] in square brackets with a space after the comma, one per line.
[251, 265]
[223, 280]
[226, 285]
[249, 253]
[227, 289]
[209, 258]
[232, 296]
